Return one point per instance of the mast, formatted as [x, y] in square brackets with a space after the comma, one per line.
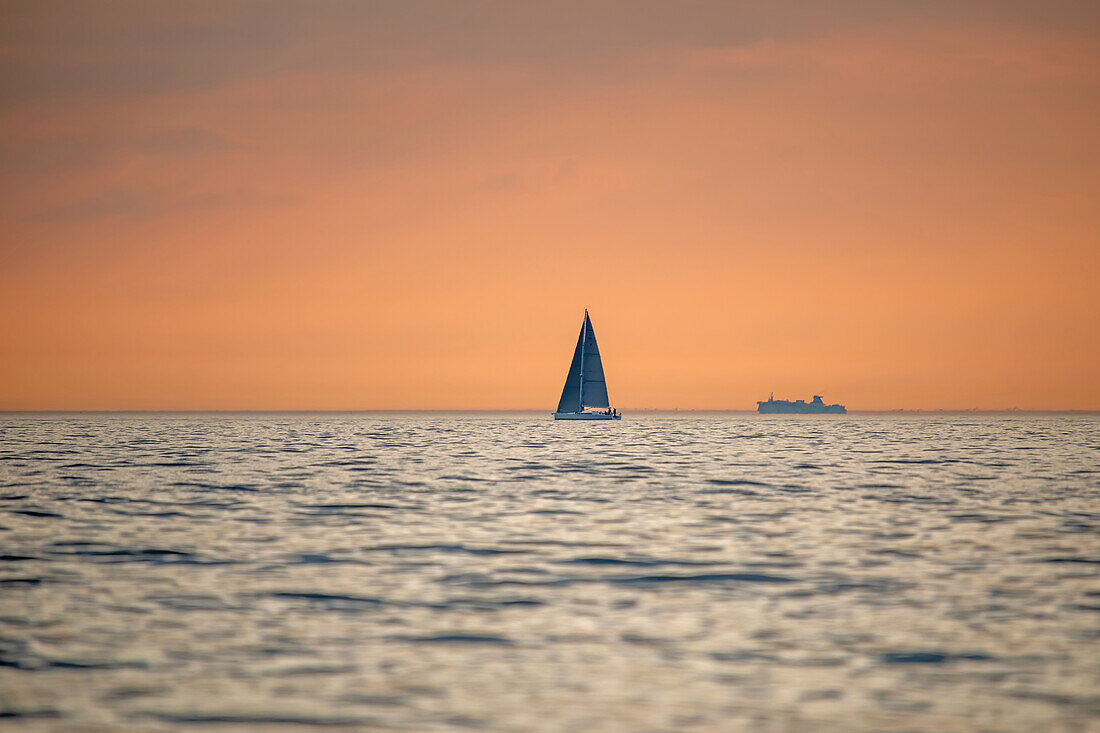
[584, 342]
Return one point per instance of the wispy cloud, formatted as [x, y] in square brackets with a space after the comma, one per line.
[37, 151]
[147, 202]
[122, 49]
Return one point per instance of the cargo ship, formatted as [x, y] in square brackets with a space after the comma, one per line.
[798, 407]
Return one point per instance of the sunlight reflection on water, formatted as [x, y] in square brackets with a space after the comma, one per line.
[508, 572]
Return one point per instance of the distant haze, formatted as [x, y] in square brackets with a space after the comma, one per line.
[344, 205]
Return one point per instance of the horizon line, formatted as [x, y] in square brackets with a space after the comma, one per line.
[660, 410]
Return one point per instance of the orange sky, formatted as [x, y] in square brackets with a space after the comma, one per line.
[330, 205]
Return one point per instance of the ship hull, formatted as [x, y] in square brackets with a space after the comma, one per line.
[773, 409]
[585, 416]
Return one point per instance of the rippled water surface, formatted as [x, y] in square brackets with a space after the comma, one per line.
[506, 572]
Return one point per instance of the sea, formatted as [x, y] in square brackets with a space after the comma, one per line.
[505, 572]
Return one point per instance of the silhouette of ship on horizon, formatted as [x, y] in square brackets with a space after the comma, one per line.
[798, 407]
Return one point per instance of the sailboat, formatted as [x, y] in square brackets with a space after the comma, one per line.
[584, 396]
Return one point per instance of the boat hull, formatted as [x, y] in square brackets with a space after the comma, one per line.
[799, 409]
[585, 416]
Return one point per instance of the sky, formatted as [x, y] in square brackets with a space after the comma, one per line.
[409, 205]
